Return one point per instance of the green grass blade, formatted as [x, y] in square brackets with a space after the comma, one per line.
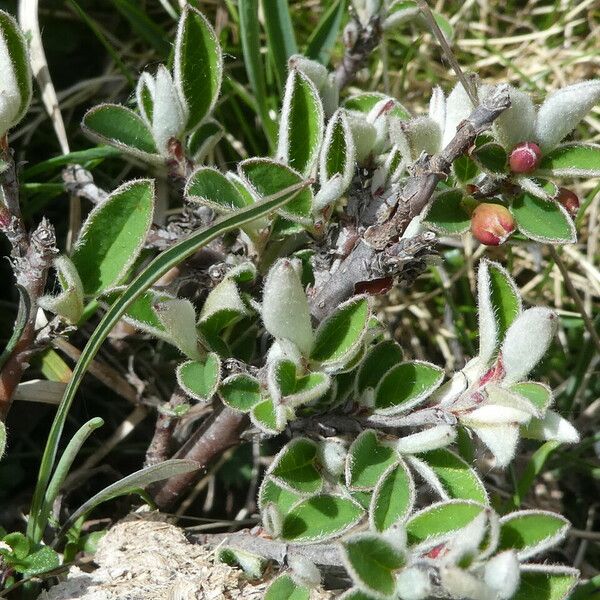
[144, 26]
[323, 38]
[62, 470]
[250, 36]
[156, 269]
[280, 33]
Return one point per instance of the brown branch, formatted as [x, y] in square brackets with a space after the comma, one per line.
[380, 249]
[220, 432]
[32, 256]
[358, 49]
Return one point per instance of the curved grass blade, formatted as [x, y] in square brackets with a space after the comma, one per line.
[20, 323]
[250, 36]
[156, 269]
[130, 484]
[63, 468]
[322, 40]
[280, 33]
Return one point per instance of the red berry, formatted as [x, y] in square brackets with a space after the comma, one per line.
[525, 157]
[491, 224]
[569, 200]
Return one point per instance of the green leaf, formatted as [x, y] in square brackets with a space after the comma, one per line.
[23, 313]
[295, 391]
[284, 588]
[372, 562]
[539, 394]
[200, 379]
[366, 101]
[240, 392]
[464, 168]
[492, 157]
[446, 214]
[367, 461]
[338, 150]
[266, 177]
[16, 45]
[543, 221]
[504, 297]
[280, 35]
[120, 127]
[154, 271]
[281, 497]
[250, 38]
[113, 235]
[142, 312]
[198, 65]
[294, 467]
[339, 336]
[320, 518]
[377, 362]
[529, 532]
[550, 583]
[406, 385]
[323, 38]
[458, 479]
[132, 484]
[210, 187]
[301, 125]
[19, 544]
[572, 160]
[268, 417]
[441, 520]
[42, 560]
[393, 498]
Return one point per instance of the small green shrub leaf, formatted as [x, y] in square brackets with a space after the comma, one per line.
[406, 385]
[491, 156]
[340, 335]
[441, 520]
[198, 65]
[572, 160]
[372, 562]
[200, 379]
[301, 125]
[539, 394]
[464, 168]
[113, 235]
[266, 177]
[284, 588]
[252, 564]
[377, 362]
[272, 493]
[393, 498]
[268, 417]
[540, 582]
[120, 127]
[16, 84]
[364, 102]
[204, 139]
[295, 467]
[531, 531]
[367, 461]
[240, 392]
[458, 479]
[504, 297]
[178, 318]
[210, 187]
[446, 214]
[41, 561]
[69, 303]
[320, 518]
[543, 221]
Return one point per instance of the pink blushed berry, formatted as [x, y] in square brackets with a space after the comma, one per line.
[525, 157]
[569, 200]
[491, 224]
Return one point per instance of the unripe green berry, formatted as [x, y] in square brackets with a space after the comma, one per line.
[525, 157]
[491, 224]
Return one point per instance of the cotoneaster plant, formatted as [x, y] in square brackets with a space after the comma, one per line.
[263, 289]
